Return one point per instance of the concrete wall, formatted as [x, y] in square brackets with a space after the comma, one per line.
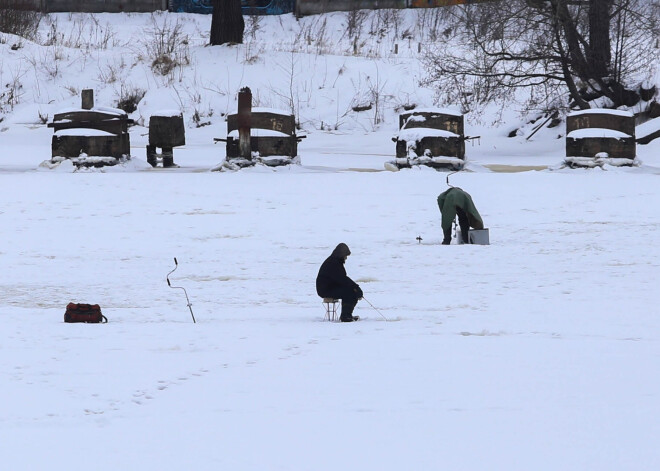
[88, 6]
[37, 5]
[303, 7]
[314, 7]
[438, 3]
[111, 6]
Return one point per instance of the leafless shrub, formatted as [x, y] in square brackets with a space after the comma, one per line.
[166, 45]
[49, 60]
[252, 26]
[376, 88]
[195, 100]
[163, 64]
[54, 36]
[315, 33]
[432, 23]
[108, 74]
[190, 98]
[73, 91]
[290, 97]
[355, 20]
[102, 36]
[385, 22]
[84, 32]
[129, 98]
[369, 96]
[198, 116]
[12, 89]
[19, 20]
[46, 61]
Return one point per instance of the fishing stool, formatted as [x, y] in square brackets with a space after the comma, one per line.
[330, 305]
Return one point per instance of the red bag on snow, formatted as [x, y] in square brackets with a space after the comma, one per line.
[90, 313]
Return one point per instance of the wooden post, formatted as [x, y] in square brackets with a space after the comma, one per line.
[87, 99]
[244, 119]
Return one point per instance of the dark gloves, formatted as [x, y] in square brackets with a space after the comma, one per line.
[358, 291]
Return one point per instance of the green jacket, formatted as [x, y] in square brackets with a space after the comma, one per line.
[454, 198]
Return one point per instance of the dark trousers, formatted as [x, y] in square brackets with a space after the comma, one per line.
[348, 299]
[463, 223]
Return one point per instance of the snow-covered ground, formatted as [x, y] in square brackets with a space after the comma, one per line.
[539, 351]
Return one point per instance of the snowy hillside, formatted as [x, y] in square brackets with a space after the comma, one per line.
[538, 351]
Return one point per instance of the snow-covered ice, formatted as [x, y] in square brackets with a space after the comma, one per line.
[539, 351]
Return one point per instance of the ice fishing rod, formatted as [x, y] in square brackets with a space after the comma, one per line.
[176, 265]
[381, 314]
[449, 175]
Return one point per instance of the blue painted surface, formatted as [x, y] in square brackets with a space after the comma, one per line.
[191, 6]
[250, 7]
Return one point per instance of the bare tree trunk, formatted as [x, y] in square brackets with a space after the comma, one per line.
[227, 25]
[568, 77]
[599, 55]
[573, 38]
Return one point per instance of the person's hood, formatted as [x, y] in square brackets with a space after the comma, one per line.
[341, 251]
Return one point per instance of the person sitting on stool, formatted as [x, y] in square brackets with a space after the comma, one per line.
[332, 282]
[456, 202]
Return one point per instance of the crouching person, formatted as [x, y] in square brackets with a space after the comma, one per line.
[456, 202]
[332, 282]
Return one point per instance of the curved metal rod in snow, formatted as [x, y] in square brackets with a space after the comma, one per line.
[176, 265]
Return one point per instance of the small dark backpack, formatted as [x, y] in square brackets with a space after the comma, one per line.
[90, 313]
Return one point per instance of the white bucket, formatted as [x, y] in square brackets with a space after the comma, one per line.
[479, 237]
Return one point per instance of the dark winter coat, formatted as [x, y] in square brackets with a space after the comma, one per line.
[332, 274]
[454, 198]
